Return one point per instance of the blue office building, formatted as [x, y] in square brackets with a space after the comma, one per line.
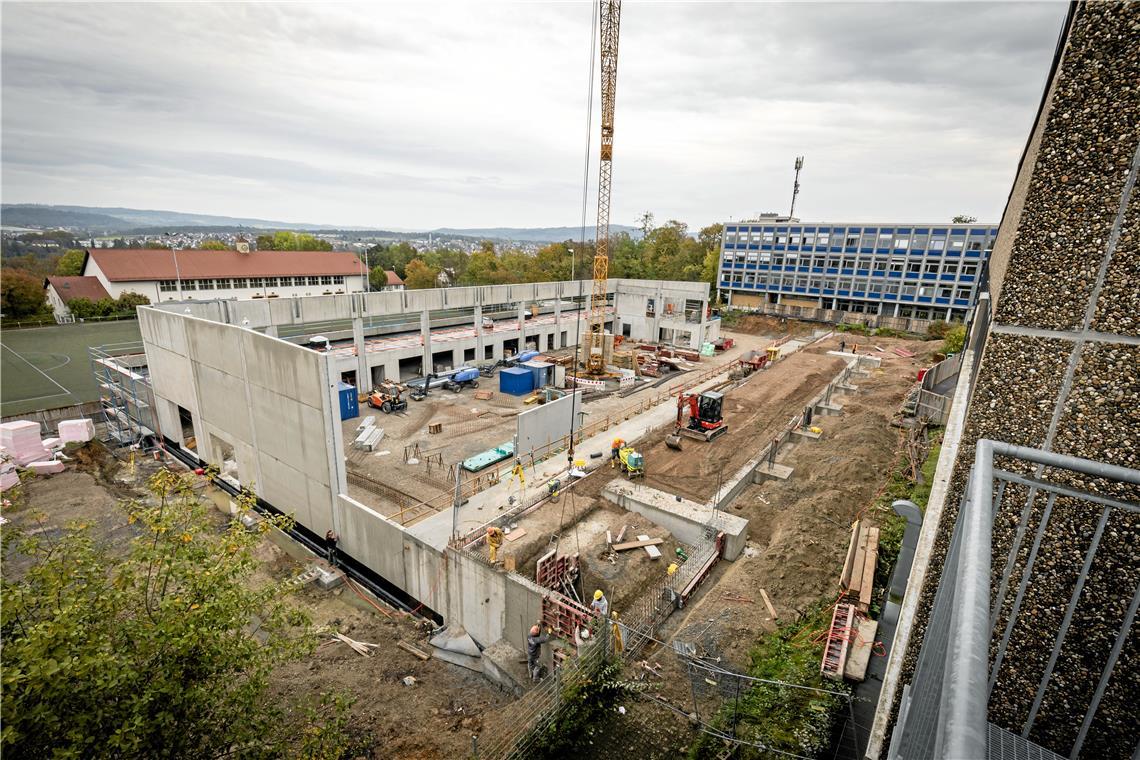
[928, 271]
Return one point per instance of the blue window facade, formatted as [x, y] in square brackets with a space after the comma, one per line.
[893, 269]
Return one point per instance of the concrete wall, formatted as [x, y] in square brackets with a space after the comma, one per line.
[271, 401]
[547, 423]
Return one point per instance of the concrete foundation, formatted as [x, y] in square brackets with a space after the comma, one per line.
[776, 471]
[686, 520]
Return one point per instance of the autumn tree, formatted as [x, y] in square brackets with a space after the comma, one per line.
[964, 219]
[21, 295]
[165, 651]
[419, 275]
[213, 245]
[70, 264]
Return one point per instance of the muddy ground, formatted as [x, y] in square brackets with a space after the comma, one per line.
[755, 412]
[799, 529]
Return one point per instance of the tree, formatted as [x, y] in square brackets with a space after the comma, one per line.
[83, 308]
[70, 264]
[645, 223]
[152, 654]
[964, 219]
[21, 295]
[128, 301]
[213, 245]
[291, 241]
[420, 275]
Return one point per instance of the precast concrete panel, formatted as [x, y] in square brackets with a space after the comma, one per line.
[222, 402]
[477, 597]
[172, 379]
[373, 540]
[283, 368]
[292, 432]
[215, 345]
[545, 424]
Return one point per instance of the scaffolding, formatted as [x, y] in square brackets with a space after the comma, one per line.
[126, 399]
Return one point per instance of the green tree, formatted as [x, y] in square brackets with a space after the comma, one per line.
[153, 654]
[420, 275]
[129, 300]
[292, 241]
[964, 219]
[70, 264]
[21, 295]
[483, 268]
[213, 245]
[709, 239]
[83, 308]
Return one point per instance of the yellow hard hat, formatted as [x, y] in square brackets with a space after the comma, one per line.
[597, 595]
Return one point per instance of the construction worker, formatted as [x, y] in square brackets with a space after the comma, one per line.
[615, 448]
[534, 643]
[331, 539]
[600, 606]
[494, 541]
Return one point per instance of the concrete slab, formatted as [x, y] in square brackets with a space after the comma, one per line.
[807, 435]
[859, 655]
[328, 579]
[829, 409]
[687, 520]
[777, 471]
[462, 660]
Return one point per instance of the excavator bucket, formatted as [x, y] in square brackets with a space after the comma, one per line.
[673, 441]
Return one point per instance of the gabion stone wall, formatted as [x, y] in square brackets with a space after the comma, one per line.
[1061, 372]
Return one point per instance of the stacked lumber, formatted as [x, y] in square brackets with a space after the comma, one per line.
[903, 353]
[858, 578]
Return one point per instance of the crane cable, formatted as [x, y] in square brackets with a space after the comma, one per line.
[594, 13]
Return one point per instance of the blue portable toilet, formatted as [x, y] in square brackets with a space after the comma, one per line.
[517, 381]
[349, 403]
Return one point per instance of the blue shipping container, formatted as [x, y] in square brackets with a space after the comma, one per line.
[516, 381]
[349, 403]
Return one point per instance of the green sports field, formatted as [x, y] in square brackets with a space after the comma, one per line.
[46, 367]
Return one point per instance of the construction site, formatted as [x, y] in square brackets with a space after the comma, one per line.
[712, 535]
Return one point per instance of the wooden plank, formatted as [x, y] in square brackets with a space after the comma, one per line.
[868, 586]
[768, 604]
[849, 562]
[638, 544]
[609, 539]
[516, 534]
[621, 533]
[409, 648]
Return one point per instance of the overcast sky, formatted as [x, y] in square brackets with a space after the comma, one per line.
[425, 114]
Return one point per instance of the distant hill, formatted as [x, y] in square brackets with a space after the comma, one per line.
[132, 221]
[117, 219]
[534, 234]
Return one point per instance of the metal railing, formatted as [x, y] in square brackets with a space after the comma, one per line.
[946, 708]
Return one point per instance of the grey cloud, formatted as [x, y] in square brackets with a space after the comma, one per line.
[472, 114]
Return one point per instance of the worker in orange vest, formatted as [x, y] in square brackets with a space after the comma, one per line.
[615, 447]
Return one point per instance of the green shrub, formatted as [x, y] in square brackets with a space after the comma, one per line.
[955, 340]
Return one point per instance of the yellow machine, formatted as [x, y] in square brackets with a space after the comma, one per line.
[632, 462]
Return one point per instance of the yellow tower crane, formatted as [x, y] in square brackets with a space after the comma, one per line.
[610, 19]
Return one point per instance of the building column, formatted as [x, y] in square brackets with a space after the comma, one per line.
[658, 310]
[522, 326]
[896, 309]
[702, 330]
[479, 333]
[558, 319]
[456, 358]
[949, 314]
[363, 378]
[425, 339]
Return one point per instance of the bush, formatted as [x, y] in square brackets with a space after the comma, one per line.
[955, 340]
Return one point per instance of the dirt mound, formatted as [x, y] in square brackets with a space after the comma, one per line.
[758, 324]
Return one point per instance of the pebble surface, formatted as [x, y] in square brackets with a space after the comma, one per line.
[1090, 139]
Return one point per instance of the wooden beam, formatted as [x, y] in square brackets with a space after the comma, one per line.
[409, 648]
[638, 544]
[768, 604]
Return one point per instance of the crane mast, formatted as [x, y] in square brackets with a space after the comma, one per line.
[610, 19]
